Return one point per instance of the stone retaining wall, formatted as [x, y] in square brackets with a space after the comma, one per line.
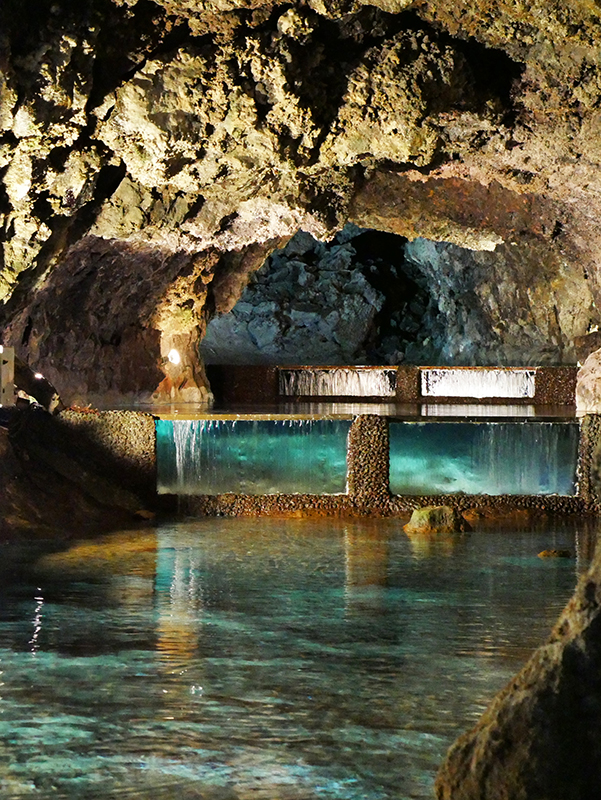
[122, 446]
[368, 493]
[124, 442]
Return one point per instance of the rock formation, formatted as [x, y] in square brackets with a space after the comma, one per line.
[433, 520]
[153, 153]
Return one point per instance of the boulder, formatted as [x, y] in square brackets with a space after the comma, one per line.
[588, 385]
[436, 519]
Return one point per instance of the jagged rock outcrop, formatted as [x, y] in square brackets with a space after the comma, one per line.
[519, 305]
[198, 132]
[540, 737]
[317, 303]
[373, 298]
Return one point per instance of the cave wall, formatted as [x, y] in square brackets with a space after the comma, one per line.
[368, 297]
[195, 138]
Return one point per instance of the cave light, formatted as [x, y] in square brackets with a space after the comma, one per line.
[174, 356]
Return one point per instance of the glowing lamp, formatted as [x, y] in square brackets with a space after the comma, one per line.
[174, 356]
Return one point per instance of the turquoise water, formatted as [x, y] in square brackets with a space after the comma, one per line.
[227, 659]
[494, 458]
[252, 456]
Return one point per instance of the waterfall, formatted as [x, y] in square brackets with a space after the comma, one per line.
[478, 382]
[529, 458]
[494, 458]
[338, 382]
[252, 456]
[466, 410]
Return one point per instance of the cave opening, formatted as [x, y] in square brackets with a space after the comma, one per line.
[354, 300]
[369, 297]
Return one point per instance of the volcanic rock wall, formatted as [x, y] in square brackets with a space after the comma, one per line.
[153, 154]
[374, 298]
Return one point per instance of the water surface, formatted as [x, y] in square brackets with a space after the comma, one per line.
[230, 659]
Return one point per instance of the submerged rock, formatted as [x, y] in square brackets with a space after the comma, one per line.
[436, 519]
[555, 554]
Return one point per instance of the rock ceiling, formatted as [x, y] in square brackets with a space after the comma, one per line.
[153, 154]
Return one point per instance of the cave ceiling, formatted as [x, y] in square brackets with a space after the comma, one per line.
[154, 153]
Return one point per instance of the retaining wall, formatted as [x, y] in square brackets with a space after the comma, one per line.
[126, 441]
[368, 491]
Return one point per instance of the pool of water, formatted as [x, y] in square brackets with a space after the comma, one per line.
[273, 659]
[251, 456]
[494, 458]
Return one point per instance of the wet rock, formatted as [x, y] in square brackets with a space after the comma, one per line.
[436, 519]
[555, 554]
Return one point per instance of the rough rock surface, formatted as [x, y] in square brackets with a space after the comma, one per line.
[541, 736]
[588, 386]
[518, 305]
[318, 303]
[434, 520]
[369, 298]
[193, 138]
[37, 501]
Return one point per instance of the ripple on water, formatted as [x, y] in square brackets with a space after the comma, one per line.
[262, 658]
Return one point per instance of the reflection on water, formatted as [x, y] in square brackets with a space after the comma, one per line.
[264, 658]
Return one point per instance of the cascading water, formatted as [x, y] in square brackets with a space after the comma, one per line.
[480, 383]
[252, 456]
[338, 382]
[468, 411]
[494, 458]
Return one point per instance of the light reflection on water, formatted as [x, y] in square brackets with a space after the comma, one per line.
[268, 659]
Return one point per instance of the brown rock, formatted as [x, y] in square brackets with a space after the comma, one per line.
[436, 519]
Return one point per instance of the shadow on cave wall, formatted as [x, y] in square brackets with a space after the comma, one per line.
[369, 297]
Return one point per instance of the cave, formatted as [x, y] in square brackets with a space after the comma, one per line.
[393, 184]
[155, 156]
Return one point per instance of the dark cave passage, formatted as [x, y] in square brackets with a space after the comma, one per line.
[349, 301]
